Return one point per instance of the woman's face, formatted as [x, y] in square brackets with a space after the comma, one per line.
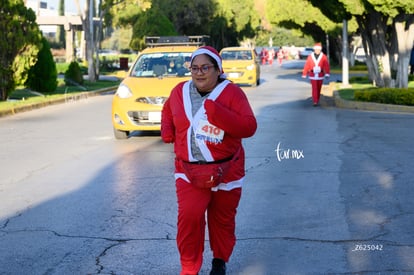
[204, 81]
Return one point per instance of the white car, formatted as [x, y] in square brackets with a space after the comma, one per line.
[303, 54]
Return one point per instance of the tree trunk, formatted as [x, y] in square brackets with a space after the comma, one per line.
[373, 32]
[99, 32]
[404, 29]
[90, 47]
[336, 49]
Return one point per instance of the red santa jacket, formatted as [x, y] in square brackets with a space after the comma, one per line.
[228, 109]
[316, 68]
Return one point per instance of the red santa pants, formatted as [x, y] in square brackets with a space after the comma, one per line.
[316, 89]
[221, 208]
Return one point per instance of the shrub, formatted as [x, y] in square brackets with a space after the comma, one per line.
[386, 95]
[359, 79]
[359, 66]
[42, 77]
[73, 74]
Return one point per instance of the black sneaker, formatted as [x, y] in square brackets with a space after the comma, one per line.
[219, 267]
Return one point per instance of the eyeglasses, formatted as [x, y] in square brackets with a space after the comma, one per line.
[204, 69]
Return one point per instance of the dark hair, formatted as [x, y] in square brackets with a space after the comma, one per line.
[220, 79]
[213, 61]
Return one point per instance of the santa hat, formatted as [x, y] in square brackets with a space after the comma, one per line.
[317, 46]
[210, 51]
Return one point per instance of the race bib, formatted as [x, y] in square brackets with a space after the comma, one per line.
[316, 69]
[208, 132]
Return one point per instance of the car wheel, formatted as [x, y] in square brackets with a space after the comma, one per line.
[254, 84]
[120, 134]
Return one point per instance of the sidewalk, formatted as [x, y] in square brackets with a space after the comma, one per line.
[65, 99]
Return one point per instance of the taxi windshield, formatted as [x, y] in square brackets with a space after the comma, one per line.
[162, 64]
[236, 55]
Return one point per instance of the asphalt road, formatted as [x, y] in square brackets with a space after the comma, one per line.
[328, 191]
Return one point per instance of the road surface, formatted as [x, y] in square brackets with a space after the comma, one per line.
[327, 191]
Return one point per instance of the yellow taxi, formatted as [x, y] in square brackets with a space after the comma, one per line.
[241, 65]
[138, 101]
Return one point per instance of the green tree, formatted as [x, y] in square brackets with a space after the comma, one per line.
[19, 46]
[303, 16]
[235, 21]
[43, 75]
[228, 22]
[160, 17]
[240, 13]
[189, 17]
[126, 14]
[222, 34]
[152, 22]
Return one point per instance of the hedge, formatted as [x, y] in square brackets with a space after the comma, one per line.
[386, 95]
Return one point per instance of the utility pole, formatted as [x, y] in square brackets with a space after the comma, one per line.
[91, 46]
[345, 55]
[91, 7]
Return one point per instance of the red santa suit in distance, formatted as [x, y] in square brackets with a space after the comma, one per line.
[317, 68]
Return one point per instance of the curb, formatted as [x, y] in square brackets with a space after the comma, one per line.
[68, 98]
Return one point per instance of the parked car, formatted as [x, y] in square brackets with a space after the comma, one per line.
[360, 55]
[107, 52]
[241, 65]
[303, 54]
[138, 101]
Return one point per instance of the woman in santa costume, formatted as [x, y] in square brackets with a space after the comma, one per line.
[317, 68]
[206, 119]
[280, 55]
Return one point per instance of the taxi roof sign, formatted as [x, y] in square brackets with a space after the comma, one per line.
[195, 40]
